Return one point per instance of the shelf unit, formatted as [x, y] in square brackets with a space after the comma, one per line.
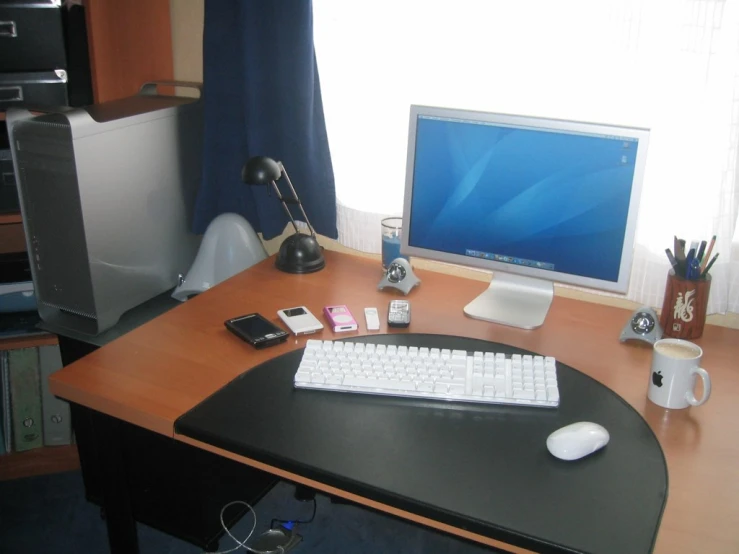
[28, 342]
[129, 44]
[48, 459]
[7, 219]
[41, 461]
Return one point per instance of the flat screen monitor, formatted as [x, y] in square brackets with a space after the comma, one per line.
[534, 200]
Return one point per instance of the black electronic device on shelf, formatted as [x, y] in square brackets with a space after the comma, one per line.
[20, 324]
[16, 287]
[44, 61]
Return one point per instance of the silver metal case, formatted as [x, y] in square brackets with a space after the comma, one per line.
[107, 195]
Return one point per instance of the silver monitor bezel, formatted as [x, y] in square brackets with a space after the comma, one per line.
[627, 251]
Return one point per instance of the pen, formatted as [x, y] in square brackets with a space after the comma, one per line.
[689, 262]
[708, 254]
[701, 251]
[680, 250]
[705, 271]
[694, 269]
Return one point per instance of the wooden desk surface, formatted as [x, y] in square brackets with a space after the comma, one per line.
[157, 372]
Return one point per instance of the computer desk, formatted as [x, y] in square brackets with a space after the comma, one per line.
[157, 372]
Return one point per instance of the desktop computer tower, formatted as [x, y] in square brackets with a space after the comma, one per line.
[106, 195]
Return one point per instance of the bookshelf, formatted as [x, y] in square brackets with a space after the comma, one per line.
[10, 219]
[28, 342]
[129, 43]
[40, 461]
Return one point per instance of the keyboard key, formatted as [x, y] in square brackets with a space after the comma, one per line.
[385, 384]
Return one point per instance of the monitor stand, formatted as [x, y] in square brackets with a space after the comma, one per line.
[513, 300]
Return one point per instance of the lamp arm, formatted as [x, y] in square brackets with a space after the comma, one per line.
[284, 205]
[300, 204]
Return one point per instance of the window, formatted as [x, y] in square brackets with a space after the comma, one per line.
[670, 66]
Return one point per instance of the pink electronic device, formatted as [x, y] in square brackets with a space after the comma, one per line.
[340, 318]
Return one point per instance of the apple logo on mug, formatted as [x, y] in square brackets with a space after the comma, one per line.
[657, 378]
[675, 365]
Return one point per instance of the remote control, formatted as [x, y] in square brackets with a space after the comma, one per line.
[372, 318]
[399, 313]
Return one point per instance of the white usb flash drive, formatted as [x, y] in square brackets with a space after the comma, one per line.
[372, 318]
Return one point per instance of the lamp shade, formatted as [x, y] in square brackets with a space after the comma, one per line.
[261, 170]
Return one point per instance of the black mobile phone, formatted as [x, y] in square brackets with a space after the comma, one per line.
[256, 330]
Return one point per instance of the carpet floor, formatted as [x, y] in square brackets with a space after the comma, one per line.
[50, 514]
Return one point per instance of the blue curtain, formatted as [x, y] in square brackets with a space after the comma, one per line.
[262, 97]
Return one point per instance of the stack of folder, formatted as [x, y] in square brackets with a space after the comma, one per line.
[30, 416]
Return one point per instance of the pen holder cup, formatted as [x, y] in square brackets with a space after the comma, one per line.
[684, 308]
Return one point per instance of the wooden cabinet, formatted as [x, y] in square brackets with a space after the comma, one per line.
[130, 43]
[12, 238]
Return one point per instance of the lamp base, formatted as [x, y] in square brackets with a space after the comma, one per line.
[300, 253]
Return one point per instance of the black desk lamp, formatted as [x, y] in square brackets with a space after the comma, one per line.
[299, 253]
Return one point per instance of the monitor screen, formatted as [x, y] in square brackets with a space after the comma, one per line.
[541, 198]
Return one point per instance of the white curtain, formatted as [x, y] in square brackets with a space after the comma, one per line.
[668, 65]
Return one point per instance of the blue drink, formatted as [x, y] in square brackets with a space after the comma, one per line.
[391, 229]
[390, 250]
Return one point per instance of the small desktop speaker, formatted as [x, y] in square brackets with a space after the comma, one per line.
[642, 325]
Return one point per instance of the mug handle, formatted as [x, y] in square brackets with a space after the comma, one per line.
[690, 395]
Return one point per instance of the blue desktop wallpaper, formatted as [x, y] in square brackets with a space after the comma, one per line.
[550, 197]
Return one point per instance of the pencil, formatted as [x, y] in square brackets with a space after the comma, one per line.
[708, 255]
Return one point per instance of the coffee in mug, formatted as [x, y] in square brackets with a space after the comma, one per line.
[676, 364]
[676, 350]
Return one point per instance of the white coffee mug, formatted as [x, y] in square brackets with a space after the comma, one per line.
[676, 364]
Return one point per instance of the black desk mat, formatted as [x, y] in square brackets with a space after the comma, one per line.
[483, 468]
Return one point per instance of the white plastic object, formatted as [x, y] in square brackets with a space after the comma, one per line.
[577, 440]
[230, 245]
[372, 319]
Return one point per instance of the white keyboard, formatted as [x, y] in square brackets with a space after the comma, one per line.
[442, 374]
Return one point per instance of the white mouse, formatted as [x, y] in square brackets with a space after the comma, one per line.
[577, 440]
